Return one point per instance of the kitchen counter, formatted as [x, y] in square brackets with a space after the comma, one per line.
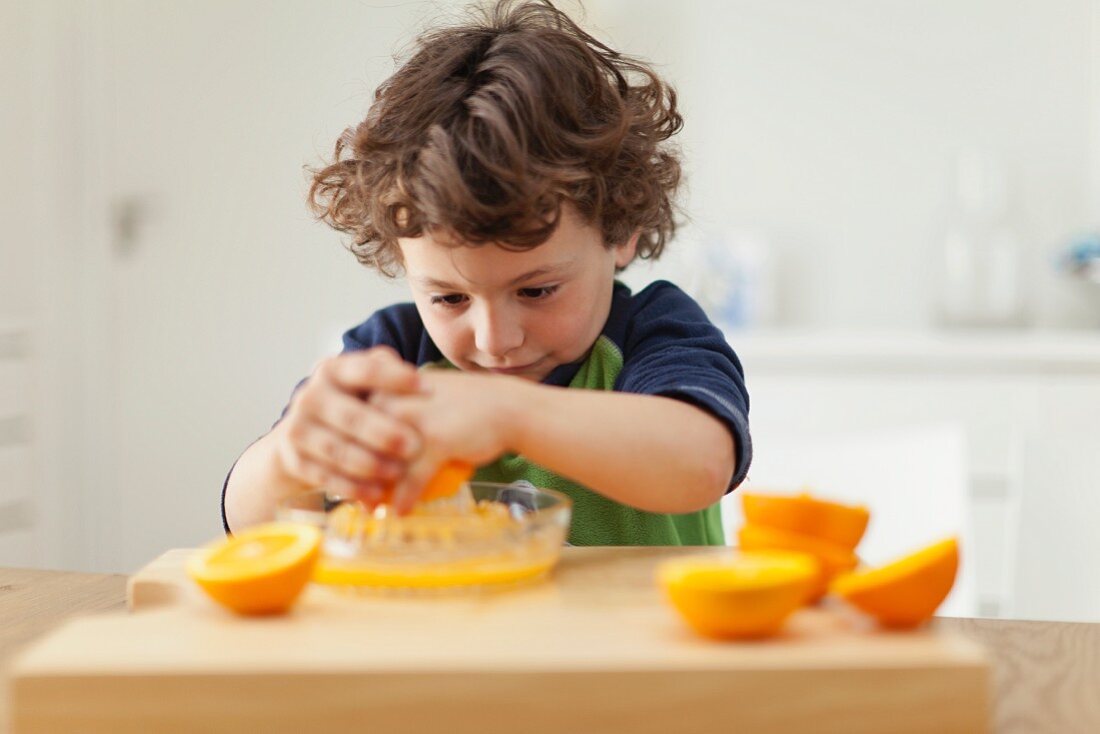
[1044, 672]
[1005, 422]
[1008, 351]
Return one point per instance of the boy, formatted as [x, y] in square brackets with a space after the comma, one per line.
[510, 169]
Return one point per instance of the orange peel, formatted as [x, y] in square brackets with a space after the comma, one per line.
[447, 481]
[907, 591]
[832, 521]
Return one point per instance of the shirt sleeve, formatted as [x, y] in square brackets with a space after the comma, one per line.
[673, 350]
[397, 326]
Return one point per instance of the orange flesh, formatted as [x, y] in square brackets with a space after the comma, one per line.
[251, 550]
[261, 570]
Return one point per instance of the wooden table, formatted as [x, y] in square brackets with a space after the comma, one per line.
[1047, 674]
[34, 602]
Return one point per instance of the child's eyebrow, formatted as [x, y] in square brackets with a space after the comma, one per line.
[536, 273]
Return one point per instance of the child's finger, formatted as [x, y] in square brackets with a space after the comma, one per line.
[404, 409]
[340, 455]
[370, 493]
[411, 486]
[318, 474]
[379, 368]
[360, 422]
[301, 467]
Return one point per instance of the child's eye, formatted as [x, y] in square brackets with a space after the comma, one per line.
[450, 300]
[537, 294]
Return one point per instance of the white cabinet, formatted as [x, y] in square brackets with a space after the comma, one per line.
[1016, 399]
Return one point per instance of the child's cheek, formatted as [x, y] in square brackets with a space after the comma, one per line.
[449, 335]
[569, 333]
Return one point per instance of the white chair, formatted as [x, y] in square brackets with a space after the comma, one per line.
[913, 479]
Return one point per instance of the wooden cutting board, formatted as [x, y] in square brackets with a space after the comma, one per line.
[593, 649]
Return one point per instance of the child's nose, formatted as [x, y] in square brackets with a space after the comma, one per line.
[497, 332]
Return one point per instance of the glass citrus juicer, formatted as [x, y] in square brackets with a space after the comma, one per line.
[461, 535]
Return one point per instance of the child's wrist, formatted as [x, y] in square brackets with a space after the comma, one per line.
[516, 411]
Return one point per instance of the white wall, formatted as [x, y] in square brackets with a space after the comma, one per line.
[162, 361]
[230, 291]
[827, 125]
[40, 257]
[831, 126]
[18, 127]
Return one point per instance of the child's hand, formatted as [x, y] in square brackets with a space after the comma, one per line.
[331, 436]
[468, 417]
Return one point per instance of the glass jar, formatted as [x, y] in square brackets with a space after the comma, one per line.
[981, 252]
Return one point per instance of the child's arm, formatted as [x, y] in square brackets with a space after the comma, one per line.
[329, 436]
[650, 452]
[654, 453]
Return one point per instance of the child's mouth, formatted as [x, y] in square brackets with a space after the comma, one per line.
[513, 370]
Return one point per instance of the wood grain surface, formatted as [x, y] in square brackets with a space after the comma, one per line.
[594, 649]
[33, 602]
[1046, 674]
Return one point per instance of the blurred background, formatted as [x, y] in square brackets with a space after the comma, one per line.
[891, 208]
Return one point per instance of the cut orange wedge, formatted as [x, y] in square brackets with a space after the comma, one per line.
[260, 570]
[831, 557]
[906, 592]
[831, 521]
[447, 480]
[747, 595]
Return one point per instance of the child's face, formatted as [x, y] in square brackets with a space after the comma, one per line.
[518, 313]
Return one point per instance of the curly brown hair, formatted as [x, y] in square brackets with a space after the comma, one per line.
[490, 126]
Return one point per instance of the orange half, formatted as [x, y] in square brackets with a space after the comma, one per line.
[743, 596]
[831, 557]
[802, 513]
[260, 570]
[909, 590]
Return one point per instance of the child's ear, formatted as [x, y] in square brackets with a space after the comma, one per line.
[624, 253]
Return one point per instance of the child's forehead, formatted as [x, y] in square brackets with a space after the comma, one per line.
[569, 223]
[432, 263]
